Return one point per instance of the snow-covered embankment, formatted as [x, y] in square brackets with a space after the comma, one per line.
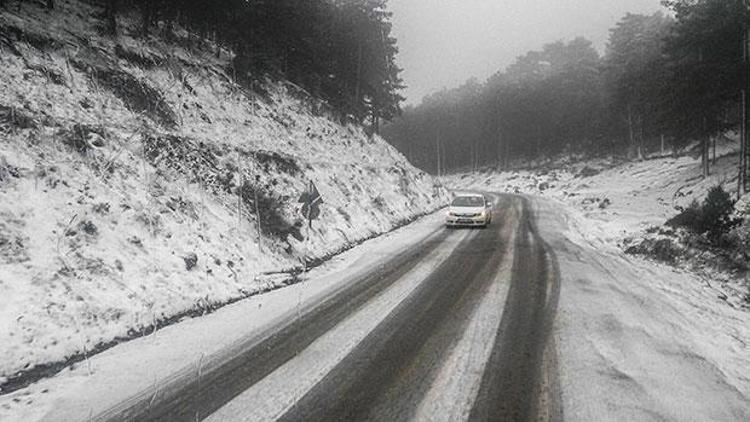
[132, 175]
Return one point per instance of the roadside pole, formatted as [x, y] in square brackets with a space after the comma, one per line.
[307, 237]
[257, 218]
[240, 186]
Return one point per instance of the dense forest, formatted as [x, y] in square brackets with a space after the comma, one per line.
[339, 50]
[664, 79]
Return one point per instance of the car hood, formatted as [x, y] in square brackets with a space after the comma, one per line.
[465, 210]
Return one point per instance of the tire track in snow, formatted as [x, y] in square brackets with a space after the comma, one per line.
[457, 383]
[276, 393]
[446, 331]
[186, 396]
[399, 350]
[520, 382]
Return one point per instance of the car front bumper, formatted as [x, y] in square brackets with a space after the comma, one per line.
[465, 221]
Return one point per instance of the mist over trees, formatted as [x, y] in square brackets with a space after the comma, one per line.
[676, 78]
[339, 50]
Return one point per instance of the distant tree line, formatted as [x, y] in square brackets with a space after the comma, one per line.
[342, 51]
[673, 79]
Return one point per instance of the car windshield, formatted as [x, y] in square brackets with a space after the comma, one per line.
[468, 201]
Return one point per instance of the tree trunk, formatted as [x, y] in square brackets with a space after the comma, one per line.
[357, 89]
[499, 149]
[631, 134]
[744, 138]
[111, 13]
[641, 138]
[742, 174]
[713, 154]
[147, 14]
[707, 144]
[704, 155]
[437, 149]
[539, 142]
[476, 158]
[506, 156]
[662, 145]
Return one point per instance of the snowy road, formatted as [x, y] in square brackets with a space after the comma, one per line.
[455, 329]
[430, 324]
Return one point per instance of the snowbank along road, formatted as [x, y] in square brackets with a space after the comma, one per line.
[458, 328]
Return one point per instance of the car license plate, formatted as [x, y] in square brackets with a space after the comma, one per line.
[464, 221]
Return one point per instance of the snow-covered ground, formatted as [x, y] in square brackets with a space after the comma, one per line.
[129, 175]
[637, 339]
[623, 197]
[621, 201]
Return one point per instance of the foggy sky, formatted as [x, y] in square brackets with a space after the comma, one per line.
[442, 43]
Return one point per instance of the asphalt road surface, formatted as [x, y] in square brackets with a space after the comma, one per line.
[458, 328]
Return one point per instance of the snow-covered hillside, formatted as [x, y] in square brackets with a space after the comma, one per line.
[130, 170]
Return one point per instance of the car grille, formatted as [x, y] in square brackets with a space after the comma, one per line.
[466, 215]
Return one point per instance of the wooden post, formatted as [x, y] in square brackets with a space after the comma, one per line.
[307, 236]
[241, 185]
[257, 217]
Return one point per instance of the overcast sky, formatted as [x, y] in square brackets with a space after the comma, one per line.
[442, 43]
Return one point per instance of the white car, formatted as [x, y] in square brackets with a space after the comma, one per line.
[469, 210]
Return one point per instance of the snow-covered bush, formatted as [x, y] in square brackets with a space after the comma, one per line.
[690, 218]
[273, 218]
[659, 247]
[740, 238]
[714, 217]
[718, 210]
